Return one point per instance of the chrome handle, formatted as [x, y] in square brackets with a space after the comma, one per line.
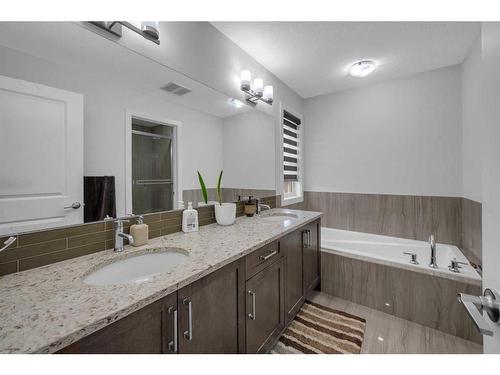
[270, 255]
[475, 305]
[8, 242]
[188, 335]
[454, 266]
[173, 345]
[252, 315]
[74, 205]
[413, 259]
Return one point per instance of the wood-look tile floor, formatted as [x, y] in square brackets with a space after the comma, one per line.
[387, 334]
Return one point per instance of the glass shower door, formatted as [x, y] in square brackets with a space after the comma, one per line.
[152, 180]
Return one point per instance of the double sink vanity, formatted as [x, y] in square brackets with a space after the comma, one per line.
[220, 290]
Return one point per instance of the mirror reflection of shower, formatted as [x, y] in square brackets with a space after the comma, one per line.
[152, 177]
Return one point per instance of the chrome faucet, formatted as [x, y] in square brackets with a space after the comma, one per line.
[119, 236]
[261, 206]
[432, 243]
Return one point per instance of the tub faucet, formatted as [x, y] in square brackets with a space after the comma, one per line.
[119, 236]
[432, 243]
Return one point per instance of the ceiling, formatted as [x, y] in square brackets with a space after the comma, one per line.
[74, 46]
[313, 58]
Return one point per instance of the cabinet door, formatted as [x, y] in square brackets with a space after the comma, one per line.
[294, 293]
[265, 312]
[211, 312]
[141, 332]
[311, 246]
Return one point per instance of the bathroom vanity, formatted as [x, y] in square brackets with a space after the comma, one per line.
[236, 293]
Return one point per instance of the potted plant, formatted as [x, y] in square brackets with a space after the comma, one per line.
[225, 213]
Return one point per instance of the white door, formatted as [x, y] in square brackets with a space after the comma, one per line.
[491, 169]
[41, 156]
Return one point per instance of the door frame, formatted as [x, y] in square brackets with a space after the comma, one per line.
[176, 154]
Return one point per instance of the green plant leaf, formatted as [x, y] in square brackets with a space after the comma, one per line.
[219, 190]
[203, 187]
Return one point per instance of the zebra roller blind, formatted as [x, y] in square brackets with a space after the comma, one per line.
[290, 146]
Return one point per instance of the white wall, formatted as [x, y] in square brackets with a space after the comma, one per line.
[471, 121]
[249, 154]
[401, 136]
[104, 118]
[491, 170]
[203, 53]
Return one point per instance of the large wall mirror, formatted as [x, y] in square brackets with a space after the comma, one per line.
[95, 132]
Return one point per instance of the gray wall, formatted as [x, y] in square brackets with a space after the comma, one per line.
[471, 123]
[401, 136]
[249, 151]
[490, 169]
[104, 118]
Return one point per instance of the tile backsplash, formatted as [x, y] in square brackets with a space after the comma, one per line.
[36, 249]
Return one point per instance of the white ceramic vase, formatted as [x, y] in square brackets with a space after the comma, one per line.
[225, 214]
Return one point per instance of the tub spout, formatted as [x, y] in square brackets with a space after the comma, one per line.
[432, 243]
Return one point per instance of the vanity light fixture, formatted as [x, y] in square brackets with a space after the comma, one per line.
[362, 68]
[150, 30]
[257, 91]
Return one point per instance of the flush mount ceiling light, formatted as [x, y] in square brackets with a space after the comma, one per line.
[257, 91]
[150, 30]
[362, 68]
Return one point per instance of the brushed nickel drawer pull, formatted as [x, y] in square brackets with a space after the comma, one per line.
[270, 255]
[173, 345]
[252, 314]
[306, 243]
[188, 335]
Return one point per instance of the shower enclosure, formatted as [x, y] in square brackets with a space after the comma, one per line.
[152, 178]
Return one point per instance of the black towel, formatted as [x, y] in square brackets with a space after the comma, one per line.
[99, 197]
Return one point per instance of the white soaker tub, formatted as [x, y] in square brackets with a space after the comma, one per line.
[390, 250]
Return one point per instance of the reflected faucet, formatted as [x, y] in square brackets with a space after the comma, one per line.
[119, 236]
[261, 206]
[432, 243]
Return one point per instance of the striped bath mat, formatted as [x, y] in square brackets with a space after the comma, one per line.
[320, 330]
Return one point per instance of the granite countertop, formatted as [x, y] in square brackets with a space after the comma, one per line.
[45, 309]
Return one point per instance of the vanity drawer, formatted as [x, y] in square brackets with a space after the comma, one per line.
[261, 258]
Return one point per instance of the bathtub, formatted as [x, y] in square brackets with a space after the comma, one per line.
[373, 271]
[390, 250]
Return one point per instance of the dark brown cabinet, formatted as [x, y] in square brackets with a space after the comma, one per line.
[265, 307]
[211, 312]
[294, 292]
[311, 256]
[146, 331]
[242, 307]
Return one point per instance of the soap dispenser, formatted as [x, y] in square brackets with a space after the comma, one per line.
[190, 219]
[140, 232]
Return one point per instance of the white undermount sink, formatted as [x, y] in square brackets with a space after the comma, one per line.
[137, 269]
[278, 217]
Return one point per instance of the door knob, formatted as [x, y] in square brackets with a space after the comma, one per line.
[74, 205]
[475, 305]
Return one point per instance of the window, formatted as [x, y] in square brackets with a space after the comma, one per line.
[292, 154]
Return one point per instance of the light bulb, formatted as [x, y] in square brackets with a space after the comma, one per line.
[258, 86]
[151, 28]
[362, 68]
[245, 78]
[268, 93]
